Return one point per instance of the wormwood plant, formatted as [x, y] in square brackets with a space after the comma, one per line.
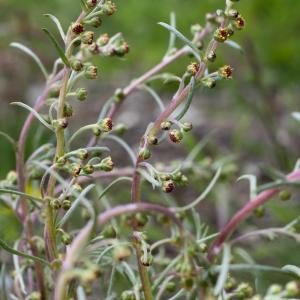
[67, 240]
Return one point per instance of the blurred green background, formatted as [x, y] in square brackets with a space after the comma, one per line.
[252, 113]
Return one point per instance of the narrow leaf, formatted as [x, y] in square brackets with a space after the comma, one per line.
[75, 205]
[292, 269]
[253, 184]
[172, 38]
[59, 50]
[234, 45]
[203, 195]
[9, 139]
[34, 112]
[58, 25]
[188, 101]
[32, 55]
[192, 47]
[224, 271]
[27, 196]
[155, 97]
[112, 184]
[11, 250]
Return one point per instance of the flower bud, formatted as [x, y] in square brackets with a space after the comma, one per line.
[230, 284]
[88, 169]
[121, 50]
[121, 252]
[166, 125]
[76, 188]
[95, 22]
[109, 8]
[196, 28]
[187, 283]
[109, 232]
[75, 169]
[209, 82]
[55, 203]
[232, 13]
[60, 123]
[68, 110]
[244, 290]
[292, 289]
[103, 40]
[119, 95]
[81, 94]
[106, 124]
[91, 72]
[187, 126]
[94, 48]
[274, 289]
[225, 72]
[175, 136]
[91, 3]
[66, 238]
[239, 22]
[77, 28]
[145, 153]
[203, 247]
[128, 295]
[193, 69]
[82, 154]
[97, 130]
[87, 37]
[61, 161]
[146, 261]
[106, 164]
[171, 287]
[153, 140]
[285, 195]
[66, 204]
[76, 65]
[211, 56]
[221, 34]
[12, 177]
[168, 186]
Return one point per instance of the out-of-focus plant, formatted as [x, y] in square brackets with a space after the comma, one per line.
[66, 240]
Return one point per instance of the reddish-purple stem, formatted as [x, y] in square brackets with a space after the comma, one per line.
[243, 213]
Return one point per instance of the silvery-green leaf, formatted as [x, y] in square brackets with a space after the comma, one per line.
[58, 25]
[32, 55]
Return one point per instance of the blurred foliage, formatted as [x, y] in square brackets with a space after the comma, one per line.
[261, 97]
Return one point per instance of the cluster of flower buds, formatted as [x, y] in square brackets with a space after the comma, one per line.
[105, 125]
[169, 180]
[115, 46]
[192, 69]
[69, 164]
[176, 135]
[236, 21]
